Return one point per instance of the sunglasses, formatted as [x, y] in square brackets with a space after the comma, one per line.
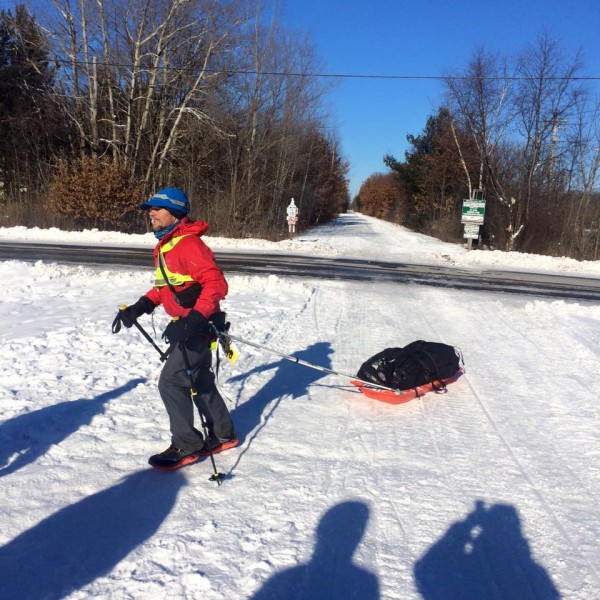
[156, 208]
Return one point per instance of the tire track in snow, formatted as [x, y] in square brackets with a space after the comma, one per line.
[349, 471]
[535, 488]
[525, 472]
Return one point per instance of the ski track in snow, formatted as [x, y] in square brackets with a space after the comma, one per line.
[515, 437]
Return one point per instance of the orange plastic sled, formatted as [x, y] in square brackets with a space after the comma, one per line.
[402, 396]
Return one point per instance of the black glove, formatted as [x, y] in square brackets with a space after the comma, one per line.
[129, 314]
[219, 321]
[184, 327]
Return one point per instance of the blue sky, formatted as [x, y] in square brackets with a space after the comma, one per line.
[421, 37]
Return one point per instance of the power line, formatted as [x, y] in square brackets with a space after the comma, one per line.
[409, 77]
[337, 75]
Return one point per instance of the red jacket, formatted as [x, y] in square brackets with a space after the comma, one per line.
[190, 257]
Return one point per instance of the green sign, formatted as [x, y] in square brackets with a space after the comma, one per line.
[473, 211]
[471, 231]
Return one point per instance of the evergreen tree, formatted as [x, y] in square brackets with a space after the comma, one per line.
[431, 176]
[28, 120]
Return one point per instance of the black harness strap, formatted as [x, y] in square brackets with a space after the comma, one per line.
[164, 274]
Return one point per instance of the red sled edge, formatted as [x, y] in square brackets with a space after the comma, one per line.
[402, 396]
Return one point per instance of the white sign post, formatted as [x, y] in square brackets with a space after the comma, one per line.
[292, 217]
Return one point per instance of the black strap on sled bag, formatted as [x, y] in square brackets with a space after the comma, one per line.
[418, 363]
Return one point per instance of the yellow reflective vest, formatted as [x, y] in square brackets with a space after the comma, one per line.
[174, 279]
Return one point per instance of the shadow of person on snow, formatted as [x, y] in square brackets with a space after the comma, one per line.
[330, 574]
[483, 556]
[84, 541]
[31, 434]
[290, 379]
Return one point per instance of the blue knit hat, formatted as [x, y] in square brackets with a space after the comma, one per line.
[173, 199]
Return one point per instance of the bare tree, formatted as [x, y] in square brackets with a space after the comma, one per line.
[545, 100]
[156, 57]
[580, 235]
[520, 114]
[265, 110]
[479, 100]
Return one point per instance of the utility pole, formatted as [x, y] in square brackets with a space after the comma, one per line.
[556, 123]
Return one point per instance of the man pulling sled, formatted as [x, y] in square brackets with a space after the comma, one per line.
[189, 285]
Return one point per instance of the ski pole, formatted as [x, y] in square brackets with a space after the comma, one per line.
[299, 361]
[163, 355]
[216, 476]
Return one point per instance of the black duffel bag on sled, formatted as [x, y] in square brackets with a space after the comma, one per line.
[417, 364]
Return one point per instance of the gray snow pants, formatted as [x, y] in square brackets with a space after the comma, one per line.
[174, 388]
